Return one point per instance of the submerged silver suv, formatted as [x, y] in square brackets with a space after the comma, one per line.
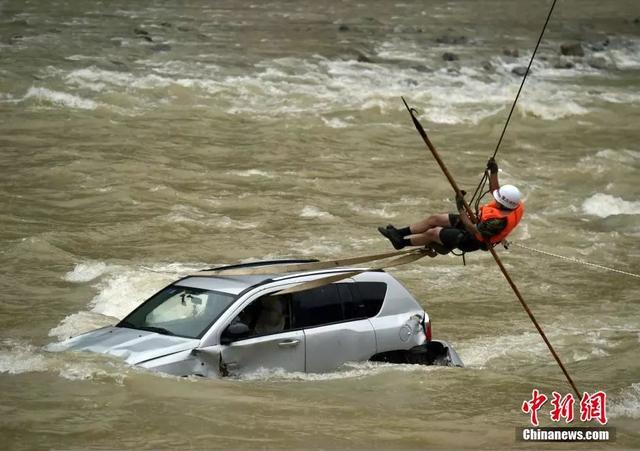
[226, 325]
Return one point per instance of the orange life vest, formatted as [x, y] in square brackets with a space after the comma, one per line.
[492, 210]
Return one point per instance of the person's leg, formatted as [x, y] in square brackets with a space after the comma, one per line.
[417, 234]
[420, 227]
[430, 236]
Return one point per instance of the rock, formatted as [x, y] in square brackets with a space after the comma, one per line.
[451, 40]
[343, 27]
[362, 58]
[406, 29]
[183, 29]
[118, 63]
[371, 20]
[486, 65]
[421, 68]
[140, 32]
[166, 25]
[511, 52]
[562, 64]
[161, 48]
[147, 38]
[636, 21]
[520, 71]
[15, 38]
[597, 62]
[449, 56]
[600, 46]
[572, 49]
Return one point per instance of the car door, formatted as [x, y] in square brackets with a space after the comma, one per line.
[332, 337]
[264, 347]
[284, 350]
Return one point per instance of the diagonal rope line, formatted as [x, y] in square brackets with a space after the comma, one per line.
[575, 260]
[513, 106]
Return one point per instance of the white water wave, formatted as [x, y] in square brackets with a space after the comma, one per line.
[622, 156]
[627, 404]
[49, 96]
[350, 370]
[17, 358]
[605, 205]
[185, 214]
[334, 122]
[251, 173]
[309, 211]
[381, 211]
[290, 86]
[528, 347]
[86, 272]
[119, 290]
[97, 79]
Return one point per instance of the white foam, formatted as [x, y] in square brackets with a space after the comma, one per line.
[310, 211]
[381, 212]
[82, 371]
[605, 205]
[60, 98]
[79, 323]
[334, 122]
[120, 290]
[628, 405]
[86, 272]
[20, 358]
[350, 370]
[547, 109]
[622, 156]
[251, 173]
[187, 214]
[627, 57]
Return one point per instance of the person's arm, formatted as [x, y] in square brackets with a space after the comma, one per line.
[492, 167]
[464, 218]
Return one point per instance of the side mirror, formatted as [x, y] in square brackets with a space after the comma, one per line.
[233, 332]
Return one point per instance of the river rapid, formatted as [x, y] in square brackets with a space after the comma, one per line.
[142, 140]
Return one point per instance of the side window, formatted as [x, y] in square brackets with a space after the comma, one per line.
[354, 306]
[317, 307]
[372, 295]
[266, 315]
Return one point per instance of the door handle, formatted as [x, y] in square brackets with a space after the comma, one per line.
[289, 343]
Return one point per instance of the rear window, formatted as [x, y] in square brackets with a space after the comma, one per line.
[371, 296]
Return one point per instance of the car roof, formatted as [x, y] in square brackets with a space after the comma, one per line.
[238, 284]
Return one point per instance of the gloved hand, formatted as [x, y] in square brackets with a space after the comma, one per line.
[492, 166]
[460, 200]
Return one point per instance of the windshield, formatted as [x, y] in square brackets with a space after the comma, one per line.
[184, 311]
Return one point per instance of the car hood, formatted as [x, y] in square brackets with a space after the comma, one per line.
[132, 345]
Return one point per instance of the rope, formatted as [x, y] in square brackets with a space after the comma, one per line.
[515, 101]
[513, 106]
[575, 260]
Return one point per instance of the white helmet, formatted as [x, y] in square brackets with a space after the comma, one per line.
[508, 196]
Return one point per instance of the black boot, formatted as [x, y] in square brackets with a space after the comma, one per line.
[393, 235]
[439, 248]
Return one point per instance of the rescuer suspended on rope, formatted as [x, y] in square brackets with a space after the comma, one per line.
[441, 233]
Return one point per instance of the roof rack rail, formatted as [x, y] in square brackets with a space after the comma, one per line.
[263, 263]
